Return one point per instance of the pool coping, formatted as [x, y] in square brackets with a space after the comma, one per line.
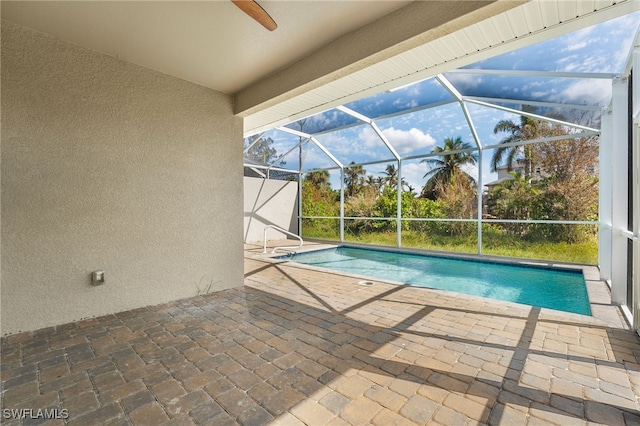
[598, 291]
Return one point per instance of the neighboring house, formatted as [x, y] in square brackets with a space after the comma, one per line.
[504, 173]
[537, 173]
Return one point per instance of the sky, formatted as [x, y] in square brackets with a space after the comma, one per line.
[601, 48]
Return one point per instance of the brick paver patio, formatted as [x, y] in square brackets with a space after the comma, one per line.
[296, 346]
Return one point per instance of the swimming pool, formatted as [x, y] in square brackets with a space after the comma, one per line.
[559, 289]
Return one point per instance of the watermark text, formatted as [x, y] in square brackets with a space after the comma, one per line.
[35, 413]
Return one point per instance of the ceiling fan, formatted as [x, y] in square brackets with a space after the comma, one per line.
[253, 9]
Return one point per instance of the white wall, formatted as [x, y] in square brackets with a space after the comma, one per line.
[269, 202]
[110, 166]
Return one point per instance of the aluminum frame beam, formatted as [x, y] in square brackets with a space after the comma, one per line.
[545, 139]
[533, 103]
[526, 73]
[465, 111]
[619, 155]
[277, 160]
[294, 132]
[635, 116]
[373, 125]
[326, 151]
[531, 115]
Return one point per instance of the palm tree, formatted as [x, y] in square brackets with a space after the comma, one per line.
[390, 177]
[526, 130]
[373, 184]
[371, 181]
[318, 178]
[353, 178]
[443, 168]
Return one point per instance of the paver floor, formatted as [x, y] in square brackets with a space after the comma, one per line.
[296, 346]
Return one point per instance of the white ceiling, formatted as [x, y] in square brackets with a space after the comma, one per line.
[211, 43]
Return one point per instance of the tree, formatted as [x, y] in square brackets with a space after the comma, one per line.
[513, 199]
[263, 152]
[566, 159]
[361, 205]
[560, 159]
[318, 199]
[318, 178]
[458, 200]
[353, 178]
[372, 185]
[572, 199]
[443, 168]
[527, 129]
[569, 187]
[387, 206]
[390, 178]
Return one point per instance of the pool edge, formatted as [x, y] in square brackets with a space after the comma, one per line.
[598, 292]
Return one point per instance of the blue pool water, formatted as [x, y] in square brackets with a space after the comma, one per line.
[544, 287]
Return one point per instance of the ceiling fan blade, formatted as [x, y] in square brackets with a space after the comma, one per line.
[253, 9]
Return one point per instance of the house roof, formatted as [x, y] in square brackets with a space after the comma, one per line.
[499, 181]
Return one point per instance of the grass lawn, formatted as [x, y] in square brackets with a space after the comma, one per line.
[493, 244]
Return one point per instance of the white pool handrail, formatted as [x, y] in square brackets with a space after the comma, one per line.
[280, 247]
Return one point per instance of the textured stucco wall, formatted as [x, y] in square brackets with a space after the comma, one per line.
[269, 202]
[110, 166]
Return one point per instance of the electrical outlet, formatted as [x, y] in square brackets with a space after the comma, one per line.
[97, 277]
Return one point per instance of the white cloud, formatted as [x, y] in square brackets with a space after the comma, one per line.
[404, 141]
[586, 91]
[369, 138]
[539, 94]
[405, 103]
[464, 80]
[570, 67]
[413, 174]
[575, 46]
[414, 90]
[321, 121]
